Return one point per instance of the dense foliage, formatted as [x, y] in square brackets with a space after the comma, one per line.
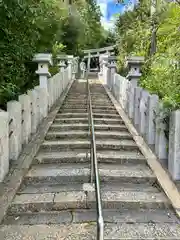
[161, 73]
[30, 26]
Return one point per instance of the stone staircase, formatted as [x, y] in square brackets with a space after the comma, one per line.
[56, 200]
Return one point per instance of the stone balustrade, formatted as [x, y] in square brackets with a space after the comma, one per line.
[22, 118]
[147, 113]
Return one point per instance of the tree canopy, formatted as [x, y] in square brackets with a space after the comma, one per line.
[161, 72]
[31, 26]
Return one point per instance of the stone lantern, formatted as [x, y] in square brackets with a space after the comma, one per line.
[43, 60]
[134, 64]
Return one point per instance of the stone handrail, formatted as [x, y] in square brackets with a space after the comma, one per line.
[23, 117]
[147, 113]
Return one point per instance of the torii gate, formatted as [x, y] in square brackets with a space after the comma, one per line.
[91, 53]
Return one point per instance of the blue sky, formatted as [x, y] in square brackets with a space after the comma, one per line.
[109, 9]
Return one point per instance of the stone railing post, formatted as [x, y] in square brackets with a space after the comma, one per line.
[62, 66]
[42, 102]
[26, 117]
[70, 62]
[174, 145]
[4, 144]
[15, 119]
[152, 104]
[34, 110]
[74, 68]
[137, 98]
[143, 112]
[103, 75]
[111, 71]
[134, 64]
[161, 141]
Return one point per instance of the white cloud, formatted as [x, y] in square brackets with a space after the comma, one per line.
[109, 24]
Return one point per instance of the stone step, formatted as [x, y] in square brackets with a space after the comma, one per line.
[84, 106]
[107, 144]
[61, 173]
[72, 115]
[105, 186]
[82, 200]
[148, 216]
[82, 110]
[103, 107]
[106, 115]
[83, 155]
[69, 110]
[68, 134]
[95, 115]
[109, 111]
[52, 135]
[84, 126]
[67, 144]
[87, 231]
[85, 120]
[79, 106]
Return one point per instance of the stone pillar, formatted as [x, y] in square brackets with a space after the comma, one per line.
[152, 104]
[137, 96]
[105, 69]
[62, 67]
[70, 61]
[112, 71]
[34, 110]
[143, 112]
[130, 101]
[161, 141]
[4, 144]
[15, 119]
[89, 62]
[42, 102]
[123, 91]
[26, 117]
[174, 145]
[43, 61]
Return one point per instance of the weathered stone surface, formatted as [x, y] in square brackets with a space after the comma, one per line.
[15, 119]
[137, 95]
[84, 231]
[78, 155]
[26, 117]
[58, 173]
[69, 200]
[129, 200]
[50, 188]
[125, 173]
[116, 144]
[67, 134]
[161, 141]
[142, 231]
[39, 218]
[143, 112]
[34, 110]
[32, 202]
[4, 144]
[174, 146]
[151, 115]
